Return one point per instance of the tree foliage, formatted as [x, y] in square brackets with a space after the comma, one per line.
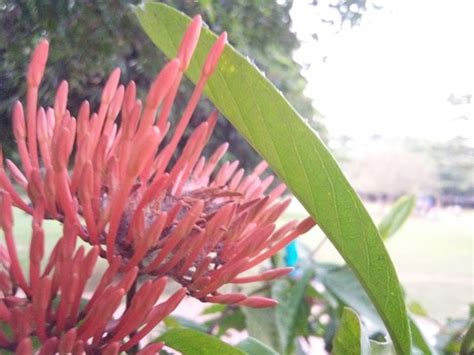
[89, 39]
[455, 161]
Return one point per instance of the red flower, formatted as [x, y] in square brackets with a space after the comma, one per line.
[48, 306]
[119, 192]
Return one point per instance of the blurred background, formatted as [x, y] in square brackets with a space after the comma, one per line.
[388, 86]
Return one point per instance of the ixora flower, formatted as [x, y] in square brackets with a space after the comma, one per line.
[150, 218]
[48, 307]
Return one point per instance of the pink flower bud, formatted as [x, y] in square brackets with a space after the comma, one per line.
[38, 63]
[214, 55]
[111, 86]
[258, 302]
[189, 42]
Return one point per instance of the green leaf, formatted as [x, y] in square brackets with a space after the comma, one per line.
[261, 324]
[229, 318]
[420, 344]
[255, 347]
[343, 284]
[193, 342]
[290, 296]
[417, 309]
[183, 322]
[278, 327]
[448, 340]
[467, 345]
[294, 151]
[377, 348]
[215, 308]
[350, 337]
[397, 216]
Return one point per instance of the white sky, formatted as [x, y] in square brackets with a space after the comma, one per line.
[392, 75]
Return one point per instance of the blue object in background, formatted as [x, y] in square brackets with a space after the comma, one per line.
[291, 255]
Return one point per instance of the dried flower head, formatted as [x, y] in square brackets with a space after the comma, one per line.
[120, 192]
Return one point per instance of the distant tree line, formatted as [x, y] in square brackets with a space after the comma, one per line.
[443, 171]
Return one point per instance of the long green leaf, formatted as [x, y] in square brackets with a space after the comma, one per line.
[294, 151]
[255, 347]
[278, 327]
[350, 337]
[343, 284]
[193, 342]
[290, 297]
[261, 325]
[420, 343]
[397, 216]
[467, 346]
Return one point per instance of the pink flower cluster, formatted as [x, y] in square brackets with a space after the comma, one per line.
[153, 215]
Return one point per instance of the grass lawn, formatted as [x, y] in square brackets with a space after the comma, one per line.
[433, 256]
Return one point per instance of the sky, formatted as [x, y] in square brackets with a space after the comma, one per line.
[393, 74]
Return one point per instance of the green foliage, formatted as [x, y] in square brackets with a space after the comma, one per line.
[90, 38]
[297, 155]
[261, 325]
[377, 348]
[341, 281]
[278, 327]
[233, 320]
[420, 344]
[255, 347]
[193, 342]
[343, 284]
[173, 322]
[227, 317]
[455, 335]
[467, 346]
[397, 216]
[291, 312]
[455, 161]
[350, 338]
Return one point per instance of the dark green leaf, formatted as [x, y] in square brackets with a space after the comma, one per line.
[279, 326]
[234, 320]
[290, 296]
[467, 345]
[397, 216]
[344, 285]
[420, 344]
[193, 342]
[448, 340]
[294, 151]
[302, 327]
[253, 346]
[347, 288]
[350, 337]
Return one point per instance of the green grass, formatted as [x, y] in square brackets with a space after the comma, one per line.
[433, 256]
